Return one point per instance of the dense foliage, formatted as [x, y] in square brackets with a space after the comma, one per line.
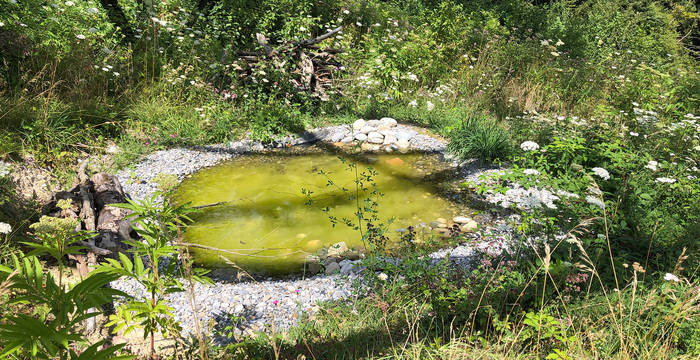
[592, 106]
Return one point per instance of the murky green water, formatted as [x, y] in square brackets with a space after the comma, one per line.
[265, 218]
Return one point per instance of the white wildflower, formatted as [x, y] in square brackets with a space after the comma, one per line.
[413, 103]
[80, 36]
[652, 165]
[671, 277]
[559, 42]
[665, 180]
[529, 146]
[554, 53]
[346, 11]
[563, 193]
[531, 172]
[595, 201]
[301, 28]
[115, 73]
[632, 133]
[5, 228]
[430, 105]
[5, 169]
[602, 173]
[383, 276]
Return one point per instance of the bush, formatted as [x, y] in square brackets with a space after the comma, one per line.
[480, 137]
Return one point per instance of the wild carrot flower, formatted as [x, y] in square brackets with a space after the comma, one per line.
[529, 146]
[602, 173]
[80, 36]
[5, 228]
[665, 180]
[671, 277]
[652, 165]
[595, 201]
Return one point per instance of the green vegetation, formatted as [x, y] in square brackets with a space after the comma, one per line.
[594, 102]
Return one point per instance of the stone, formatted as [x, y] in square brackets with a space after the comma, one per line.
[461, 219]
[375, 137]
[441, 220]
[346, 140]
[360, 137]
[332, 268]
[358, 124]
[368, 129]
[347, 268]
[337, 249]
[387, 121]
[469, 226]
[374, 123]
[367, 147]
[402, 144]
[312, 267]
[395, 161]
[404, 135]
[313, 245]
[390, 139]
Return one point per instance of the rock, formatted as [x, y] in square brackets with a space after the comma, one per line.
[402, 144]
[347, 140]
[374, 123]
[390, 139]
[441, 220]
[332, 268]
[337, 249]
[358, 124]
[360, 137]
[469, 226]
[395, 161]
[461, 219]
[312, 245]
[404, 135]
[312, 264]
[347, 268]
[387, 121]
[368, 129]
[375, 137]
[367, 147]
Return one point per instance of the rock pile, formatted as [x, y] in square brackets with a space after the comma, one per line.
[379, 134]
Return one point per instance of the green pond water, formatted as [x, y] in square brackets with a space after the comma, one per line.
[264, 217]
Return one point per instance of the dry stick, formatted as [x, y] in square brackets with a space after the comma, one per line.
[205, 247]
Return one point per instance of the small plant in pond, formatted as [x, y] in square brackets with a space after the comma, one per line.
[154, 266]
[364, 194]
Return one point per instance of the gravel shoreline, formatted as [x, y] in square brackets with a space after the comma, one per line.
[276, 304]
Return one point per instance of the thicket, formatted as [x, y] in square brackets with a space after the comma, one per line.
[593, 101]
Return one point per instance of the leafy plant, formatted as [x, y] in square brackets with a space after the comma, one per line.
[56, 333]
[154, 266]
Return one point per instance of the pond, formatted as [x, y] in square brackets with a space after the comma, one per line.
[265, 219]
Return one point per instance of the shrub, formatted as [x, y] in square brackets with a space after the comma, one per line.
[480, 137]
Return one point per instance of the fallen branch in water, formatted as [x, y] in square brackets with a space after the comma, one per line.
[232, 252]
[209, 205]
